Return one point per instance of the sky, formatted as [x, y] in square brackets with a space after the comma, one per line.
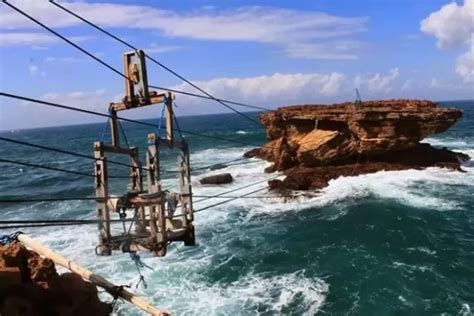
[265, 53]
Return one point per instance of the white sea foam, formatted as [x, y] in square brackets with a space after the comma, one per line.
[446, 142]
[249, 295]
[242, 132]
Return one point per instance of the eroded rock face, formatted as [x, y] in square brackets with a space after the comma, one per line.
[30, 285]
[375, 135]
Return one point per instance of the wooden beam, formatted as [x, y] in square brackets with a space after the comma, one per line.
[114, 129]
[157, 213]
[90, 276]
[155, 98]
[118, 150]
[137, 186]
[102, 191]
[169, 120]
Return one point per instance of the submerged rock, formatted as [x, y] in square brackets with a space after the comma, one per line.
[218, 166]
[222, 178]
[30, 285]
[313, 144]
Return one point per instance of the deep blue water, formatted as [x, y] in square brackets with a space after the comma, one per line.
[390, 243]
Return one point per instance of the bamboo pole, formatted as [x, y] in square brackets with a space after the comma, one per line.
[90, 276]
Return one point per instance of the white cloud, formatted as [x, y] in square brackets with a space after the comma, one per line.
[34, 39]
[155, 48]
[325, 50]
[33, 69]
[407, 85]
[465, 64]
[24, 38]
[280, 27]
[453, 25]
[378, 82]
[271, 88]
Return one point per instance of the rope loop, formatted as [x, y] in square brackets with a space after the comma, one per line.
[8, 239]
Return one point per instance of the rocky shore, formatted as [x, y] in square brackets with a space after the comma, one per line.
[313, 144]
[30, 285]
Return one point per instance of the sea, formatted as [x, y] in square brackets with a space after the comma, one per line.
[388, 243]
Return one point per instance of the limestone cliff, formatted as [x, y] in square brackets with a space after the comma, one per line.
[316, 143]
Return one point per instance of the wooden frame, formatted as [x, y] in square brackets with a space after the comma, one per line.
[154, 228]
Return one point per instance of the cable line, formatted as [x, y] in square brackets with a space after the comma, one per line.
[230, 200]
[112, 68]
[62, 151]
[47, 167]
[23, 98]
[34, 200]
[208, 96]
[53, 168]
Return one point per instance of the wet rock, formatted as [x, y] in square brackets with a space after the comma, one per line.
[222, 178]
[30, 285]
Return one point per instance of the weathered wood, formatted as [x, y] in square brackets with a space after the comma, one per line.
[155, 98]
[157, 213]
[185, 185]
[169, 120]
[114, 129]
[117, 150]
[101, 192]
[137, 185]
[90, 276]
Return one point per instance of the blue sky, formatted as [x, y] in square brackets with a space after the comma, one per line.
[268, 53]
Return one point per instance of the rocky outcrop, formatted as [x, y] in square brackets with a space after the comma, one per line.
[316, 143]
[30, 285]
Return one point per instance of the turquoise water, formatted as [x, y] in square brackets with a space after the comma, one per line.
[390, 243]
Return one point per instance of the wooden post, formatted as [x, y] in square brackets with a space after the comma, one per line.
[102, 192]
[114, 128]
[137, 186]
[169, 119]
[129, 84]
[185, 184]
[90, 276]
[157, 214]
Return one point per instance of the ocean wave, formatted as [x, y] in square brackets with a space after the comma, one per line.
[242, 132]
[251, 294]
[447, 142]
[401, 186]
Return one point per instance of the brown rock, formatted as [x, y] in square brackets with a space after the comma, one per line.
[217, 179]
[30, 285]
[41, 269]
[10, 276]
[316, 143]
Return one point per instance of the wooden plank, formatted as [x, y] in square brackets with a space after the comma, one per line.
[169, 120]
[114, 129]
[157, 214]
[137, 186]
[90, 276]
[155, 98]
[102, 191]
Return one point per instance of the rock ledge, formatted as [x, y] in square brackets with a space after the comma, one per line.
[313, 144]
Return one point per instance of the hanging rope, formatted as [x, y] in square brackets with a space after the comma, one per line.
[123, 133]
[104, 130]
[177, 126]
[160, 123]
[8, 239]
